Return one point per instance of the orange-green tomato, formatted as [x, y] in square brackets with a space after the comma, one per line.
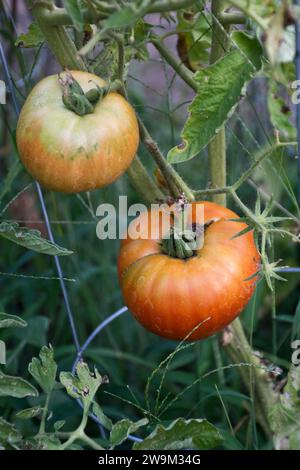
[70, 153]
[171, 297]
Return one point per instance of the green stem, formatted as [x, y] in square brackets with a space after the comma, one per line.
[58, 40]
[238, 349]
[175, 183]
[217, 146]
[179, 67]
[44, 415]
[143, 183]
[233, 337]
[60, 17]
[245, 7]
[232, 18]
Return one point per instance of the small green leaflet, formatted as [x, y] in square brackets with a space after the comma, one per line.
[16, 387]
[30, 239]
[43, 369]
[280, 113]
[11, 321]
[8, 432]
[121, 430]
[220, 87]
[73, 9]
[29, 413]
[33, 38]
[182, 434]
[122, 18]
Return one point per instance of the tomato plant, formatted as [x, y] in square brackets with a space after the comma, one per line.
[72, 153]
[172, 76]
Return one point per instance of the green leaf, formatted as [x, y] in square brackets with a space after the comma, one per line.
[29, 413]
[8, 432]
[30, 239]
[11, 321]
[122, 18]
[33, 38]
[182, 434]
[73, 9]
[16, 387]
[217, 97]
[104, 420]
[84, 384]
[280, 112]
[285, 414]
[44, 368]
[123, 428]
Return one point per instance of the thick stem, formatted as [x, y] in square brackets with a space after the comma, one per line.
[179, 67]
[233, 338]
[175, 183]
[58, 40]
[238, 349]
[217, 146]
[143, 183]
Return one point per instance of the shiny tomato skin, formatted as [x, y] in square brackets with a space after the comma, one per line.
[70, 153]
[170, 297]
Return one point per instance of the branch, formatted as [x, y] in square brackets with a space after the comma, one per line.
[179, 67]
[60, 17]
[245, 7]
[143, 183]
[58, 40]
[175, 183]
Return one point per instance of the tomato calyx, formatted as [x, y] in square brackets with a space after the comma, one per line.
[74, 97]
[184, 244]
[177, 244]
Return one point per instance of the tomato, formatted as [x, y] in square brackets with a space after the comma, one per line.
[171, 296]
[71, 153]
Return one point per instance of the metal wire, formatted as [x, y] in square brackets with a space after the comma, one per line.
[79, 356]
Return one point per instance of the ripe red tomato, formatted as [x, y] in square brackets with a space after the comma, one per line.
[171, 296]
[71, 153]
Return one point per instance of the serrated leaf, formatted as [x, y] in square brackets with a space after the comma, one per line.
[31, 239]
[33, 38]
[217, 98]
[84, 384]
[11, 321]
[121, 430]
[182, 434]
[44, 368]
[73, 9]
[16, 387]
[103, 419]
[29, 413]
[8, 432]
[121, 18]
[280, 112]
